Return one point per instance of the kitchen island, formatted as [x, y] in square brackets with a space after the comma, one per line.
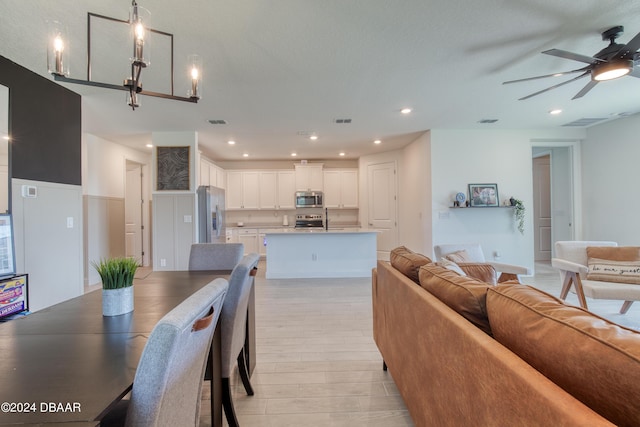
[317, 253]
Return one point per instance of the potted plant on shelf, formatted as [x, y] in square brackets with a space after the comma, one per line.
[519, 213]
[117, 284]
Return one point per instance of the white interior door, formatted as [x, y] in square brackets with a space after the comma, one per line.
[542, 207]
[133, 211]
[382, 205]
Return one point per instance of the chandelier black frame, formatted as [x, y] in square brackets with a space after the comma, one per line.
[139, 90]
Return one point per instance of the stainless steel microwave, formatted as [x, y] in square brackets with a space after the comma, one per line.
[309, 199]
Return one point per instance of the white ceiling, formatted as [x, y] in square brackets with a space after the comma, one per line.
[274, 68]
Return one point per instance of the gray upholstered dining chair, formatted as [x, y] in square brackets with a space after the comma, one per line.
[215, 256]
[233, 322]
[167, 386]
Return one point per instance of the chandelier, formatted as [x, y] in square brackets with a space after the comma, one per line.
[57, 61]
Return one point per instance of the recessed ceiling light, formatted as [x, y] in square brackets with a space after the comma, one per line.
[245, 155]
[342, 153]
[377, 141]
[231, 142]
[150, 145]
[406, 110]
[293, 154]
[556, 111]
[313, 137]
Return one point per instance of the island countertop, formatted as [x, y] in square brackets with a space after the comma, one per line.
[323, 231]
[318, 253]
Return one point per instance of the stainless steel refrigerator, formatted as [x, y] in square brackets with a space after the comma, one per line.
[211, 215]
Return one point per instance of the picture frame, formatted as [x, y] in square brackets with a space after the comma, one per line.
[483, 195]
[173, 168]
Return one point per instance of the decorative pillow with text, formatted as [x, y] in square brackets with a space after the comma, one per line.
[614, 271]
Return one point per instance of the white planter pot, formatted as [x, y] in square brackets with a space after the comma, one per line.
[117, 301]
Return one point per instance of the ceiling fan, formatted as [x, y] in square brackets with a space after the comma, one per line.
[615, 60]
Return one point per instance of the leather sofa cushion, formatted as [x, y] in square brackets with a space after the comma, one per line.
[595, 360]
[408, 262]
[465, 295]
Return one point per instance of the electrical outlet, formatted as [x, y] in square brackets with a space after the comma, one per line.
[163, 262]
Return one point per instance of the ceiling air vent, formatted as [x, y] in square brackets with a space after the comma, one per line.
[585, 122]
[218, 122]
[486, 121]
[342, 121]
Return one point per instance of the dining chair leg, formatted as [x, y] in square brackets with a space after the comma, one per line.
[227, 404]
[244, 373]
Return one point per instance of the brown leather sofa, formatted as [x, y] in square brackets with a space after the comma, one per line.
[451, 371]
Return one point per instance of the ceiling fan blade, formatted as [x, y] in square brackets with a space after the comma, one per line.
[574, 56]
[629, 48]
[636, 71]
[554, 86]
[545, 76]
[585, 89]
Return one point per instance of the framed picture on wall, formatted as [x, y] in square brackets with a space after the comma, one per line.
[173, 169]
[483, 195]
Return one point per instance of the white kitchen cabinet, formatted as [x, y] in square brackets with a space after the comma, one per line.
[204, 172]
[220, 175]
[286, 189]
[277, 189]
[341, 188]
[249, 237]
[242, 190]
[309, 177]
[268, 184]
[211, 174]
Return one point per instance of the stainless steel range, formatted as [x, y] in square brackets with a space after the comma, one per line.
[309, 221]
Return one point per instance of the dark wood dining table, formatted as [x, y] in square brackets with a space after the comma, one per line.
[69, 364]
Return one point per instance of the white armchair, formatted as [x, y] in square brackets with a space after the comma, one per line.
[571, 260]
[475, 254]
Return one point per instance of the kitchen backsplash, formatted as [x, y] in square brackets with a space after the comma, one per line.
[273, 217]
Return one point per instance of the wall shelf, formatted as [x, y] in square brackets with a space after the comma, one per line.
[481, 207]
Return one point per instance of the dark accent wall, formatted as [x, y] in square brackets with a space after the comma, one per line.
[45, 127]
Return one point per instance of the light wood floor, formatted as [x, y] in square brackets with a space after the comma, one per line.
[317, 364]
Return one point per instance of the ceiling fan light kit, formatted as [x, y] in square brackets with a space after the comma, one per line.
[614, 61]
[611, 70]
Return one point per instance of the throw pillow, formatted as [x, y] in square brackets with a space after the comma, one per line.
[458, 256]
[592, 358]
[480, 270]
[450, 265]
[408, 262]
[614, 271]
[614, 253]
[465, 295]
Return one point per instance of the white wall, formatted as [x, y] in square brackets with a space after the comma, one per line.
[413, 176]
[611, 177]
[48, 241]
[503, 157]
[103, 178]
